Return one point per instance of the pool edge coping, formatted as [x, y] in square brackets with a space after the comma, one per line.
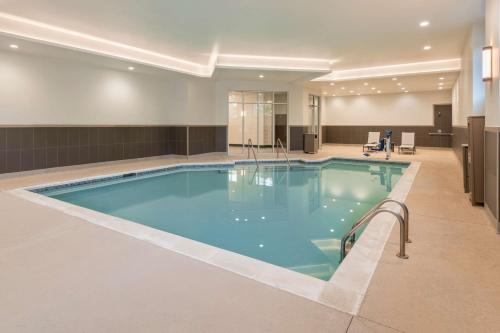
[342, 292]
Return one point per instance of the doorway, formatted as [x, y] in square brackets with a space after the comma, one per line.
[443, 127]
[259, 116]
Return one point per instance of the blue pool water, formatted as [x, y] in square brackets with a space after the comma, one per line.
[292, 218]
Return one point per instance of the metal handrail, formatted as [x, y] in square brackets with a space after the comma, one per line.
[367, 218]
[250, 146]
[280, 144]
[406, 216]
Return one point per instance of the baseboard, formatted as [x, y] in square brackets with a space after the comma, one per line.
[495, 223]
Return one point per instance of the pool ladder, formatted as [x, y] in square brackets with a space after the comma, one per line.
[250, 147]
[280, 145]
[403, 227]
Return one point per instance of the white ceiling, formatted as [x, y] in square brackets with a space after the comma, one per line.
[387, 85]
[352, 33]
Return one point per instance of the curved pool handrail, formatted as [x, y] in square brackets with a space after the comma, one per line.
[366, 219]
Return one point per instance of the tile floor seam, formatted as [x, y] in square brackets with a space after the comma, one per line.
[381, 324]
[349, 326]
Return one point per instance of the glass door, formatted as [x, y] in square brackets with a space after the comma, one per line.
[258, 116]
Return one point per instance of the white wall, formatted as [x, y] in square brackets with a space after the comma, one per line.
[492, 38]
[39, 90]
[297, 97]
[385, 109]
[469, 89]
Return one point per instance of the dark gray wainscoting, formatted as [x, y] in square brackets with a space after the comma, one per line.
[30, 148]
[297, 137]
[207, 139]
[491, 171]
[359, 135]
[460, 137]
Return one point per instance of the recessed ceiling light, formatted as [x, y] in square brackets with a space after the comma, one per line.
[441, 78]
[399, 84]
[440, 88]
[378, 92]
[261, 76]
[427, 47]
[14, 46]
[424, 23]
[351, 91]
[343, 88]
[324, 93]
[403, 88]
[441, 83]
[366, 83]
[373, 88]
[131, 68]
[358, 94]
[332, 83]
[406, 91]
[334, 95]
[394, 79]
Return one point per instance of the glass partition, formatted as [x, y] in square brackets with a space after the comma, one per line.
[257, 115]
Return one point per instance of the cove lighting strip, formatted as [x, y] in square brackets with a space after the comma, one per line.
[439, 66]
[53, 35]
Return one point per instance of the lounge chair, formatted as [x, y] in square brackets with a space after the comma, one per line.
[407, 143]
[373, 141]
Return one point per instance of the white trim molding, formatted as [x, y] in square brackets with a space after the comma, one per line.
[438, 66]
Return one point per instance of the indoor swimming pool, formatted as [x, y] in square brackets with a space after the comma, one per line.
[293, 217]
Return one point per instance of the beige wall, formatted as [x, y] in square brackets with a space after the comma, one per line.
[492, 38]
[468, 91]
[44, 90]
[385, 109]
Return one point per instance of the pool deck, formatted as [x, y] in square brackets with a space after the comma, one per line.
[60, 273]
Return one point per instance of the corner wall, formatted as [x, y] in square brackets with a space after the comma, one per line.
[492, 112]
[59, 111]
[468, 91]
[349, 119]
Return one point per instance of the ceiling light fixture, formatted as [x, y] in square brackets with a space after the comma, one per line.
[440, 88]
[343, 88]
[399, 84]
[14, 46]
[261, 76]
[351, 91]
[332, 83]
[403, 88]
[487, 63]
[406, 91]
[358, 94]
[424, 24]
[131, 68]
[365, 84]
[378, 92]
[394, 79]
[441, 83]
[373, 88]
[441, 78]
[427, 47]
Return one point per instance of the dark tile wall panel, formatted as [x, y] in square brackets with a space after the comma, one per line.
[297, 137]
[491, 171]
[29, 148]
[177, 140]
[359, 135]
[207, 139]
[460, 137]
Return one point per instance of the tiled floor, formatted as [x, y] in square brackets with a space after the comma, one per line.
[60, 274]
